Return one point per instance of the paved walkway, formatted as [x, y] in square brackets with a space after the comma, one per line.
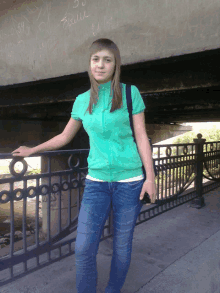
[176, 252]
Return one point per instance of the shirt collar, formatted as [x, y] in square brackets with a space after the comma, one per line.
[106, 85]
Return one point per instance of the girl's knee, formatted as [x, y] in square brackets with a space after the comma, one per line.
[84, 246]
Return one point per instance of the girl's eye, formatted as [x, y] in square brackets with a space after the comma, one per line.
[96, 60]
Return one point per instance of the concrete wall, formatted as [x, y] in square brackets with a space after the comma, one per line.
[31, 133]
[160, 132]
[44, 39]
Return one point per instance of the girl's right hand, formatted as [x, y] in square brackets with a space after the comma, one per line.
[22, 151]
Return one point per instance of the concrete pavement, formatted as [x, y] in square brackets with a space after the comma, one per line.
[176, 252]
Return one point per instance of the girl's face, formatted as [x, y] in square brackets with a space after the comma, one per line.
[103, 66]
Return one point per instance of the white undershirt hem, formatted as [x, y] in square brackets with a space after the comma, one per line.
[140, 177]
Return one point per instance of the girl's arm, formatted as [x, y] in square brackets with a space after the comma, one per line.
[56, 142]
[143, 144]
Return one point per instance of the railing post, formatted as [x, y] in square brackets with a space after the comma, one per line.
[199, 202]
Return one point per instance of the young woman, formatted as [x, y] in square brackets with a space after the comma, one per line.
[115, 175]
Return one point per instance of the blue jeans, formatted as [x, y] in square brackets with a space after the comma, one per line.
[94, 211]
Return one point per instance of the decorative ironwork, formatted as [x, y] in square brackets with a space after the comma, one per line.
[12, 165]
[212, 161]
[177, 183]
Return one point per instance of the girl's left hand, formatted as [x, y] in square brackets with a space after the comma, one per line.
[150, 188]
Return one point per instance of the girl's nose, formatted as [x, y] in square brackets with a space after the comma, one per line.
[101, 63]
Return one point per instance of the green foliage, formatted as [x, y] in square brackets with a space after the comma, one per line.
[34, 171]
[212, 134]
[185, 138]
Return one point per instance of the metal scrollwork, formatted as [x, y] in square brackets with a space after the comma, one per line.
[12, 164]
[6, 194]
[70, 162]
[56, 188]
[41, 187]
[30, 189]
[65, 186]
[209, 173]
[81, 162]
[16, 196]
[168, 151]
[74, 184]
[185, 149]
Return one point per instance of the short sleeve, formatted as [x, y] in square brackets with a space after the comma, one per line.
[76, 110]
[138, 105]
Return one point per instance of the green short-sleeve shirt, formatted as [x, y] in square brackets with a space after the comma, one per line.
[113, 154]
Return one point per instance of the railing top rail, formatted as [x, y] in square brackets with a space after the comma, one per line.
[77, 151]
[176, 144]
[48, 153]
[212, 142]
[182, 144]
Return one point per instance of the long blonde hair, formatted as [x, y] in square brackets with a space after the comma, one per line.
[98, 45]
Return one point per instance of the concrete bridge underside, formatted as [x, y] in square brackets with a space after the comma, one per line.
[45, 39]
[175, 90]
[169, 50]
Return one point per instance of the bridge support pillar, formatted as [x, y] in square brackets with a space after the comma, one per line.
[55, 216]
[160, 132]
[53, 219]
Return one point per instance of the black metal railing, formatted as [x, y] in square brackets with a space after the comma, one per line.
[51, 200]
